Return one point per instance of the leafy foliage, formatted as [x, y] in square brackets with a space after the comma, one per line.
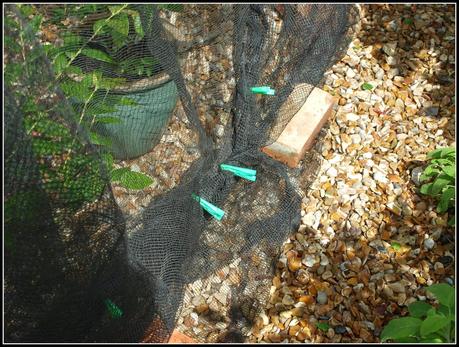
[56, 149]
[440, 177]
[437, 325]
[90, 91]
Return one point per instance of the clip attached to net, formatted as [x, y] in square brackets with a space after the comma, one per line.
[212, 209]
[263, 90]
[114, 310]
[248, 174]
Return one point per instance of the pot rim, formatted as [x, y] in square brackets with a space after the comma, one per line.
[144, 84]
[141, 85]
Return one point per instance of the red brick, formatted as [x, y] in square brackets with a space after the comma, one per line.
[178, 337]
[158, 326]
[299, 134]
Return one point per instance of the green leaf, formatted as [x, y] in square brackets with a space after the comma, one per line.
[120, 24]
[440, 162]
[448, 151]
[429, 171]
[400, 328]
[446, 197]
[26, 10]
[98, 139]
[60, 63]
[431, 312]
[98, 26]
[118, 173]
[444, 293]
[115, 9]
[450, 170]
[419, 309]
[79, 90]
[367, 86]
[434, 338]
[71, 40]
[125, 101]
[36, 22]
[426, 189]
[135, 180]
[452, 221]
[441, 152]
[322, 326]
[137, 24]
[96, 54]
[119, 40]
[440, 183]
[444, 310]
[108, 160]
[12, 45]
[432, 324]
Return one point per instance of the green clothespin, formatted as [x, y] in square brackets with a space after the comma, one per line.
[114, 310]
[263, 90]
[248, 174]
[212, 209]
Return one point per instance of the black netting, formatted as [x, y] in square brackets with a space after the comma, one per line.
[79, 267]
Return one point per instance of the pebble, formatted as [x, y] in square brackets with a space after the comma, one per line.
[198, 300]
[445, 260]
[339, 329]
[323, 260]
[321, 298]
[449, 280]
[219, 130]
[380, 177]
[332, 172]
[352, 117]
[432, 111]
[439, 268]
[309, 261]
[416, 175]
[287, 300]
[429, 243]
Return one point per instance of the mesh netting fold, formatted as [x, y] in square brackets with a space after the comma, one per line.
[78, 268]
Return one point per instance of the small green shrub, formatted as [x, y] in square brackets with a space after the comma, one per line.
[426, 323]
[440, 177]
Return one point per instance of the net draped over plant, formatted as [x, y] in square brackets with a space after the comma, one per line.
[77, 268]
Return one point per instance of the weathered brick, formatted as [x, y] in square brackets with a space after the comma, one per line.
[156, 326]
[178, 337]
[299, 134]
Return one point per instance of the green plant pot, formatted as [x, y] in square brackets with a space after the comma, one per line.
[143, 124]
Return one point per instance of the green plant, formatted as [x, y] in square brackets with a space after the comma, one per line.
[60, 155]
[90, 91]
[441, 175]
[426, 323]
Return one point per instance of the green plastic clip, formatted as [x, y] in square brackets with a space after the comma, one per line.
[212, 209]
[248, 174]
[263, 90]
[114, 310]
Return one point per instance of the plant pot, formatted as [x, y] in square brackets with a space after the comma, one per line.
[141, 125]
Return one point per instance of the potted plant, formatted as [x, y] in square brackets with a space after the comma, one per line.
[134, 98]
